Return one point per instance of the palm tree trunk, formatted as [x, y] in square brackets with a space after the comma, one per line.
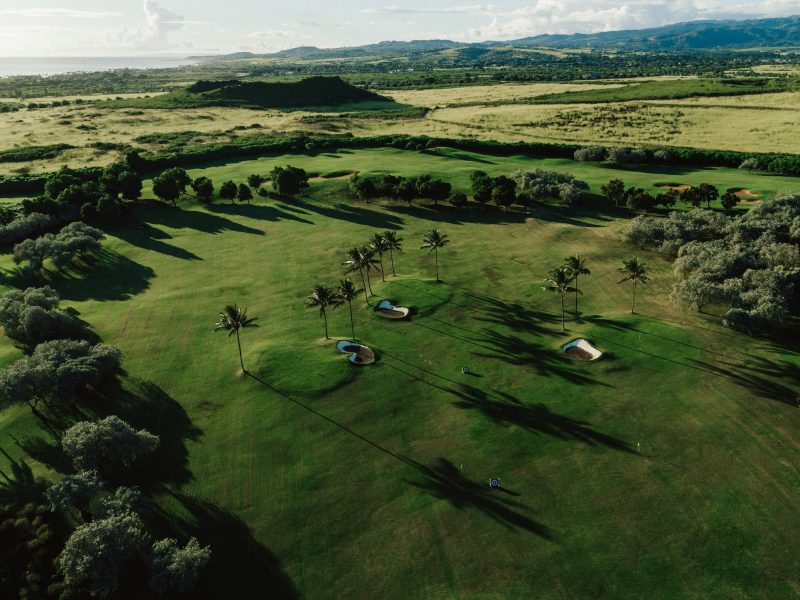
[369, 283]
[325, 318]
[633, 302]
[383, 277]
[352, 325]
[364, 286]
[391, 255]
[563, 325]
[576, 295]
[239, 343]
[436, 255]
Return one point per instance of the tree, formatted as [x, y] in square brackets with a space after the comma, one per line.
[361, 260]
[255, 181]
[166, 188]
[729, 200]
[504, 191]
[635, 271]
[614, 190]
[289, 181]
[481, 186]
[668, 199]
[56, 370]
[347, 292]
[435, 189]
[228, 190]
[577, 267]
[109, 210]
[406, 190]
[244, 194]
[558, 282]
[108, 443]
[638, 199]
[379, 244]
[590, 154]
[751, 164]
[233, 319]
[203, 189]
[129, 184]
[395, 244]
[362, 187]
[74, 491]
[95, 552]
[693, 196]
[433, 240]
[176, 569]
[708, 193]
[321, 297]
[31, 317]
[60, 181]
[458, 199]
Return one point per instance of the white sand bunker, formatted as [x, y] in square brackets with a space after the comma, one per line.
[359, 354]
[390, 311]
[581, 349]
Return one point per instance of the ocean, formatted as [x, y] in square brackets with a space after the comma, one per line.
[58, 65]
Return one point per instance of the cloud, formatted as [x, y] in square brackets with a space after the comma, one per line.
[159, 21]
[58, 13]
[447, 10]
[578, 16]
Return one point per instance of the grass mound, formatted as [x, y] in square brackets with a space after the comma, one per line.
[306, 93]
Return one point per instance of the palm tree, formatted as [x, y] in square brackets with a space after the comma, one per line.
[321, 297]
[434, 240]
[379, 244]
[347, 292]
[558, 282]
[395, 245]
[361, 260]
[232, 319]
[577, 266]
[636, 271]
[368, 263]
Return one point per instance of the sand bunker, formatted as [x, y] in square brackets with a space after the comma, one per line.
[581, 349]
[674, 186]
[359, 355]
[745, 193]
[390, 311]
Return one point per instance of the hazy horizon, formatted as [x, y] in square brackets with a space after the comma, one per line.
[155, 28]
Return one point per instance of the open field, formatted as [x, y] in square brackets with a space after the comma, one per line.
[665, 470]
[492, 112]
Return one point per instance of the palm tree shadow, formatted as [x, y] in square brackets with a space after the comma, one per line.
[505, 409]
[444, 481]
[761, 377]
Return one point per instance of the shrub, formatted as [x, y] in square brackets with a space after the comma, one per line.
[31, 317]
[590, 154]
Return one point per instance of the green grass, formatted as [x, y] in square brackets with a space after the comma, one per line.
[664, 470]
[668, 90]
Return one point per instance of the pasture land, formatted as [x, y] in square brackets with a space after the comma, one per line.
[507, 112]
[667, 469]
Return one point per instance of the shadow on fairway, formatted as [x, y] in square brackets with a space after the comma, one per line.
[107, 276]
[505, 409]
[198, 220]
[352, 213]
[240, 566]
[444, 481]
[151, 238]
[455, 216]
[760, 377]
[18, 484]
[258, 211]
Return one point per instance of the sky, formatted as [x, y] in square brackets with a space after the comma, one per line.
[185, 27]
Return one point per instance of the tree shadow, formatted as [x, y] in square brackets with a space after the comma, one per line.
[240, 566]
[260, 212]
[18, 484]
[198, 220]
[146, 406]
[353, 214]
[760, 376]
[505, 409]
[444, 481]
[442, 213]
[151, 238]
[108, 276]
[45, 451]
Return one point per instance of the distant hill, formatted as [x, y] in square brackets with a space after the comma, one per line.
[694, 35]
[698, 35]
[310, 92]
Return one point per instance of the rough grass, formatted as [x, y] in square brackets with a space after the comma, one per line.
[664, 470]
[763, 123]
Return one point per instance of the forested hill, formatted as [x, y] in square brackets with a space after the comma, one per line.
[694, 35]
[783, 32]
